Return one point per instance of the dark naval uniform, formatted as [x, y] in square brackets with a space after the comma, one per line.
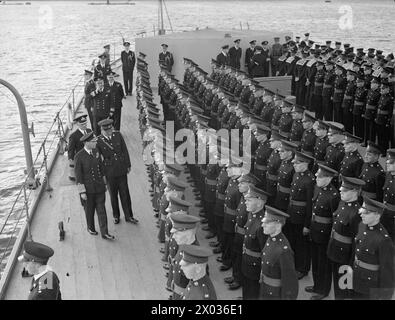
[383, 119]
[339, 86]
[89, 173]
[232, 199]
[248, 60]
[102, 71]
[320, 147]
[373, 276]
[46, 287]
[278, 278]
[273, 166]
[346, 115]
[116, 96]
[351, 164]
[262, 155]
[358, 110]
[372, 101]
[101, 108]
[202, 289]
[90, 87]
[254, 241]
[128, 63]
[374, 177]
[308, 142]
[284, 181]
[75, 145]
[210, 194]
[285, 124]
[388, 217]
[116, 162]
[167, 60]
[299, 210]
[296, 132]
[345, 227]
[325, 202]
[223, 59]
[276, 53]
[327, 93]
[334, 156]
[222, 183]
[258, 62]
[316, 97]
[234, 57]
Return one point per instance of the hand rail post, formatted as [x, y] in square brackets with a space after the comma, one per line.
[26, 204]
[48, 186]
[73, 100]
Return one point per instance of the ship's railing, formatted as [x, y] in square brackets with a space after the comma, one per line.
[30, 192]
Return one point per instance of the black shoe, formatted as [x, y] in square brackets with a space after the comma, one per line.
[72, 178]
[108, 237]
[166, 266]
[229, 280]
[116, 220]
[161, 241]
[162, 250]
[318, 297]
[206, 228]
[300, 275]
[93, 232]
[219, 259]
[224, 267]
[210, 236]
[132, 220]
[234, 286]
[214, 244]
[156, 215]
[310, 289]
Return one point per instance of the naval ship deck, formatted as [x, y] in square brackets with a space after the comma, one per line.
[129, 267]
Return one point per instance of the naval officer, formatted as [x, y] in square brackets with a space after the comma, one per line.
[89, 173]
[116, 160]
[116, 95]
[128, 62]
[45, 282]
[166, 58]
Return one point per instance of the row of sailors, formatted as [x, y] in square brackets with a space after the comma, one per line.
[282, 187]
[366, 113]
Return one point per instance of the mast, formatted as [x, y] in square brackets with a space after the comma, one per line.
[161, 22]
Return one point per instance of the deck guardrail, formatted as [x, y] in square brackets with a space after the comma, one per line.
[29, 193]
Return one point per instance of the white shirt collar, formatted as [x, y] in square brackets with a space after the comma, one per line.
[46, 269]
[82, 131]
[88, 151]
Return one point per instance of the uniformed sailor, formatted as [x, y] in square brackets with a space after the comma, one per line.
[128, 58]
[266, 54]
[309, 137]
[194, 265]
[285, 122]
[116, 160]
[359, 106]
[262, 154]
[273, 165]
[276, 53]
[384, 115]
[297, 228]
[106, 53]
[248, 57]
[75, 144]
[183, 233]
[373, 265]
[89, 92]
[223, 56]
[346, 115]
[258, 63]
[278, 278]
[90, 176]
[102, 69]
[372, 101]
[285, 175]
[335, 151]
[166, 58]
[372, 173]
[318, 86]
[352, 162]
[45, 282]
[254, 241]
[235, 55]
[321, 143]
[116, 95]
[388, 217]
[345, 227]
[339, 86]
[325, 202]
[101, 104]
[327, 90]
[297, 129]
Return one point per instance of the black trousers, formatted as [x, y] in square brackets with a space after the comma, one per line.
[340, 293]
[117, 119]
[300, 245]
[119, 186]
[347, 120]
[383, 136]
[337, 112]
[316, 105]
[209, 208]
[327, 107]
[321, 267]
[228, 244]
[128, 81]
[250, 289]
[359, 125]
[237, 255]
[370, 131]
[219, 222]
[96, 202]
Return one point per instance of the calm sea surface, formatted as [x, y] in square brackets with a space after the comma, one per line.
[45, 47]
